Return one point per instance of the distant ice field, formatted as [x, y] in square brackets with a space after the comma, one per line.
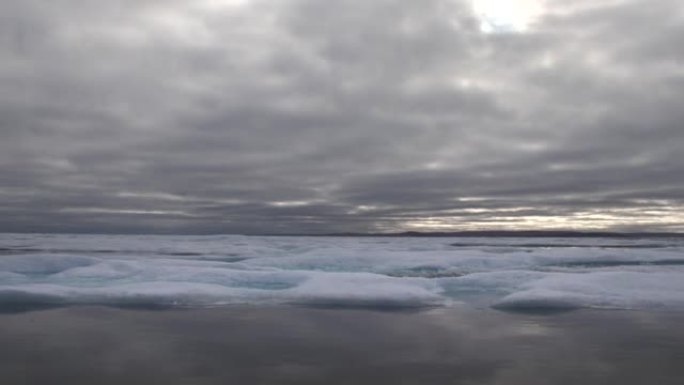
[517, 274]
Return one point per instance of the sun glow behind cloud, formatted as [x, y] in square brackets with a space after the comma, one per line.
[506, 16]
[655, 214]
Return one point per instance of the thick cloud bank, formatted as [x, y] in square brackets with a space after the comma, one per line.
[300, 116]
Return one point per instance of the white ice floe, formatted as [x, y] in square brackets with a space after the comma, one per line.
[506, 273]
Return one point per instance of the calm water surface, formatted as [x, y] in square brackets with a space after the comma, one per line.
[291, 345]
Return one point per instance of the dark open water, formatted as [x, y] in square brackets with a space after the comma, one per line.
[293, 345]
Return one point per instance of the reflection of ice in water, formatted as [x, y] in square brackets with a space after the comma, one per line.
[508, 273]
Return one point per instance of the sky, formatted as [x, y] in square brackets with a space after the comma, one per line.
[314, 116]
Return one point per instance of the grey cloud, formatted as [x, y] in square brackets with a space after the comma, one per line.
[311, 116]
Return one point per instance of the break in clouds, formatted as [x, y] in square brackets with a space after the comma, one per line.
[299, 116]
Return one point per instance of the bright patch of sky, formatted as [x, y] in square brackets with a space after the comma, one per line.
[506, 16]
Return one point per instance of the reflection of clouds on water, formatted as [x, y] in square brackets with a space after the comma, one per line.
[312, 346]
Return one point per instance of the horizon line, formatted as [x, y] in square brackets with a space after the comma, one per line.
[460, 233]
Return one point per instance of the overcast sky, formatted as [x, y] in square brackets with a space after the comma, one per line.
[300, 116]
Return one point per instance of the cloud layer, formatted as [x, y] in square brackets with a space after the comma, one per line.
[300, 116]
